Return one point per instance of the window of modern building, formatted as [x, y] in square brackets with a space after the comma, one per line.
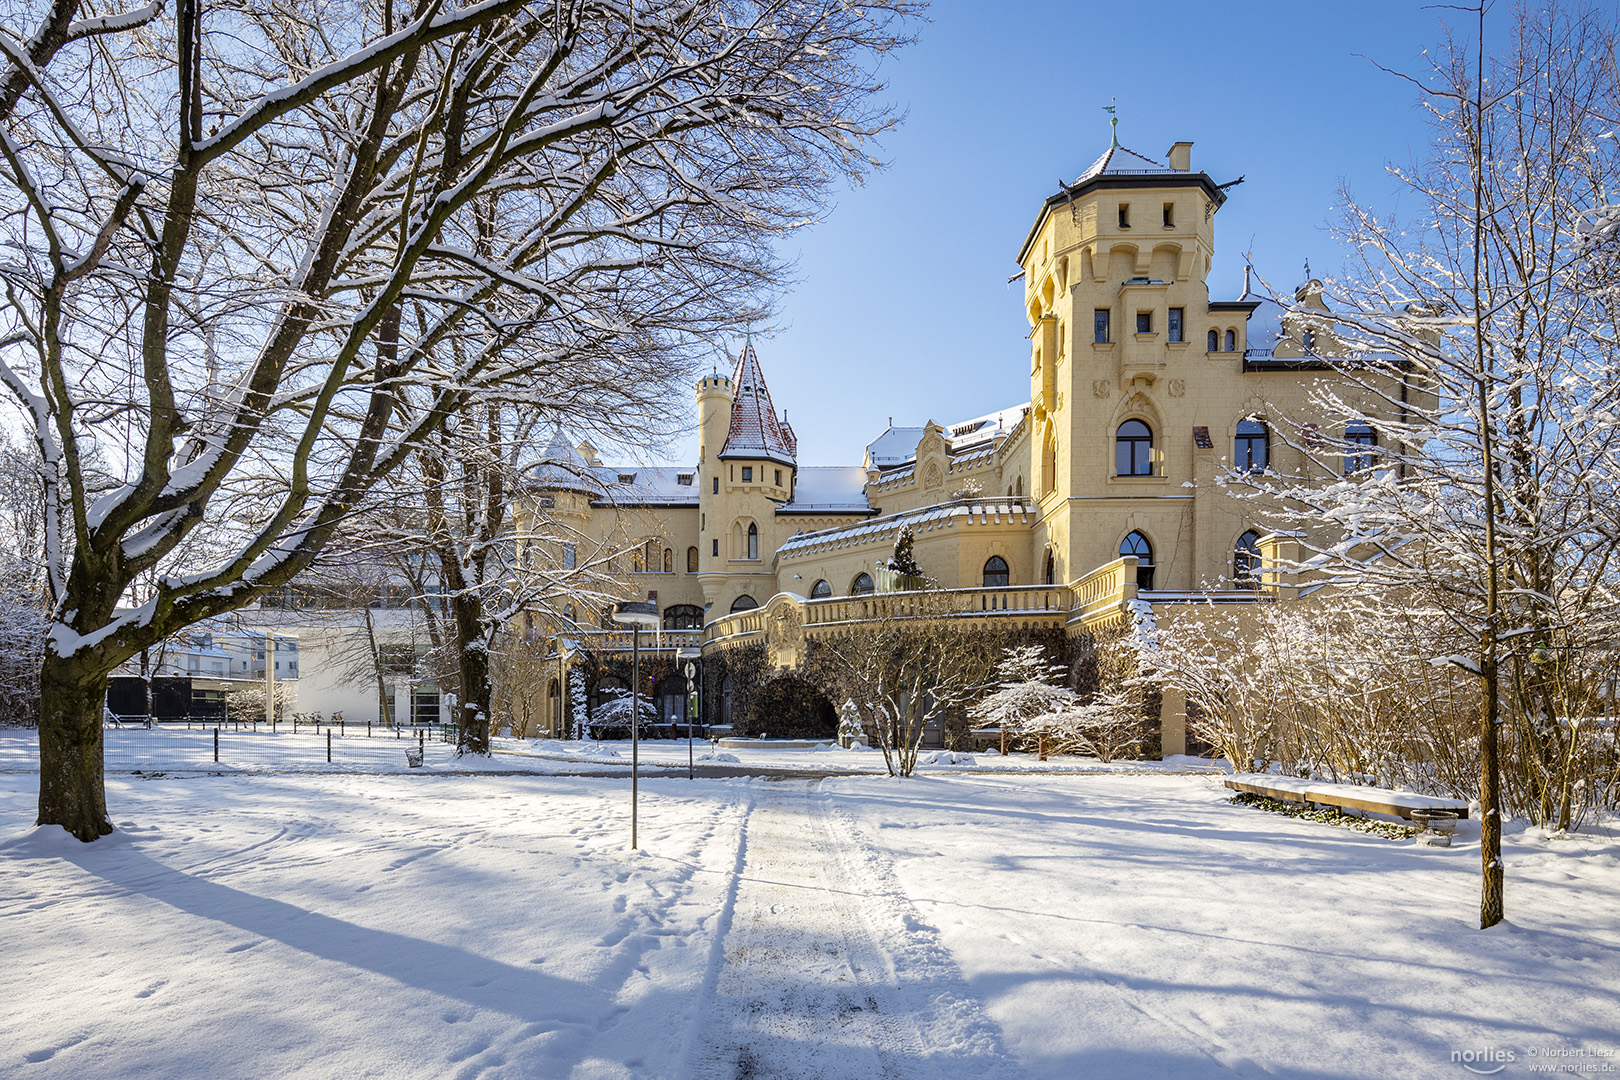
[820, 589]
[1252, 447]
[744, 603]
[1137, 544]
[1214, 341]
[753, 541]
[1133, 449]
[1144, 322]
[1099, 326]
[1361, 440]
[683, 617]
[996, 575]
[748, 474]
[1172, 324]
[861, 585]
[1246, 561]
[691, 560]
[1231, 341]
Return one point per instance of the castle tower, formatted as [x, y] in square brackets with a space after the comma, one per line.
[749, 457]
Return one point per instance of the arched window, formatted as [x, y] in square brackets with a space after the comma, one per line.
[1246, 561]
[753, 540]
[1231, 341]
[1252, 447]
[652, 557]
[568, 612]
[1051, 567]
[691, 560]
[995, 573]
[861, 585]
[1137, 544]
[1360, 440]
[669, 561]
[1018, 488]
[1049, 464]
[638, 562]
[725, 700]
[1214, 341]
[1308, 339]
[1133, 449]
[744, 603]
[820, 589]
[683, 617]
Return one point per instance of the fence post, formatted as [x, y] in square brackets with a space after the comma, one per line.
[421, 743]
[329, 746]
[216, 746]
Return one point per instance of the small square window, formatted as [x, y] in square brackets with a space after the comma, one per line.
[1169, 215]
[1144, 322]
[1099, 326]
[1173, 324]
[778, 477]
[748, 474]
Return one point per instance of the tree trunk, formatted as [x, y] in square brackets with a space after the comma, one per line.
[472, 650]
[1490, 796]
[72, 793]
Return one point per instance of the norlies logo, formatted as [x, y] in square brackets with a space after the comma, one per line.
[1485, 1062]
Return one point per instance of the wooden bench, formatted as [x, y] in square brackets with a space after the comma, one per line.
[1350, 796]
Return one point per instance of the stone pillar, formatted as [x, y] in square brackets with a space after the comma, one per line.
[1173, 721]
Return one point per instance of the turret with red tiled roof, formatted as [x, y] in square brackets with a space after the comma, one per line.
[756, 431]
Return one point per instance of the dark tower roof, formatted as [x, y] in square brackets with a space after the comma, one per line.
[756, 431]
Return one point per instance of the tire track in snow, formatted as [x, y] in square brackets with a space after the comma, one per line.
[823, 968]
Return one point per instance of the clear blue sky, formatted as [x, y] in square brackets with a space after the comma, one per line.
[902, 306]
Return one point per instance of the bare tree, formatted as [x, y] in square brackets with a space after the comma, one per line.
[259, 256]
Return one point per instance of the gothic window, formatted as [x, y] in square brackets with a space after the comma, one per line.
[996, 575]
[691, 560]
[1214, 341]
[1252, 447]
[1246, 561]
[1137, 544]
[753, 541]
[820, 589]
[669, 561]
[1051, 567]
[744, 603]
[1361, 441]
[861, 586]
[1231, 341]
[1133, 449]
[683, 617]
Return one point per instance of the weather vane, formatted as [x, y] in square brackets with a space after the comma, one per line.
[1113, 121]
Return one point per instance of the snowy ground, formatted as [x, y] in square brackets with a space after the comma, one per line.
[959, 926]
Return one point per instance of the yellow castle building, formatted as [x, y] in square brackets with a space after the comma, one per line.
[1068, 511]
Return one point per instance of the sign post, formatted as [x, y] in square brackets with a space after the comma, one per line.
[692, 701]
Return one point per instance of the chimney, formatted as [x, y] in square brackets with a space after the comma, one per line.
[1180, 156]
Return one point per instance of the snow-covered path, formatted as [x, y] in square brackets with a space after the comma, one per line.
[823, 968]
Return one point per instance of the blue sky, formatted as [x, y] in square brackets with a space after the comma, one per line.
[902, 307]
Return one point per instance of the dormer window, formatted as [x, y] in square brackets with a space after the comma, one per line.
[684, 479]
[627, 478]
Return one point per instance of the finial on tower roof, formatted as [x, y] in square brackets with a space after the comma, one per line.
[1113, 121]
[1307, 268]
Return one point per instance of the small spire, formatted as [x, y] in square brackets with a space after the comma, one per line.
[1113, 122]
[1307, 268]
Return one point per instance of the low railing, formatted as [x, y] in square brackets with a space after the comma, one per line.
[1043, 602]
[617, 640]
[1107, 585]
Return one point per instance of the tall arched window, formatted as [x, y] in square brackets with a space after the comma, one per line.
[691, 560]
[568, 612]
[683, 617]
[744, 603]
[1137, 544]
[1133, 449]
[652, 557]
[1018, 488]
[1214, 341]
[1051, 567]
[753, 540]
[1049, 464]
[1252, 448]
[861, 585]
[1231, 341]
[1246, 561]
[669, 561]
[1360, 440]
[820, 589]
[995, 573]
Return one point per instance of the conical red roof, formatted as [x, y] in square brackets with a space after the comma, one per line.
[756, 430]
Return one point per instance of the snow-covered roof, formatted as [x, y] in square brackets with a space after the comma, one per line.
[1120, 161]
[756, 431]
[897, 446]
[562, 469]
[658, 484]
[985, 511]
[829, 489]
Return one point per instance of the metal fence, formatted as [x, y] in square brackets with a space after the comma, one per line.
[140, 744]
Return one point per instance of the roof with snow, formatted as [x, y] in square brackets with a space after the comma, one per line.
[1120, 161]
[897, 446]
[756, 431]
[562, 469]
[660, 485]
[835, 489]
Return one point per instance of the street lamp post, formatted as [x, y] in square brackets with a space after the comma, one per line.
[635, 614]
